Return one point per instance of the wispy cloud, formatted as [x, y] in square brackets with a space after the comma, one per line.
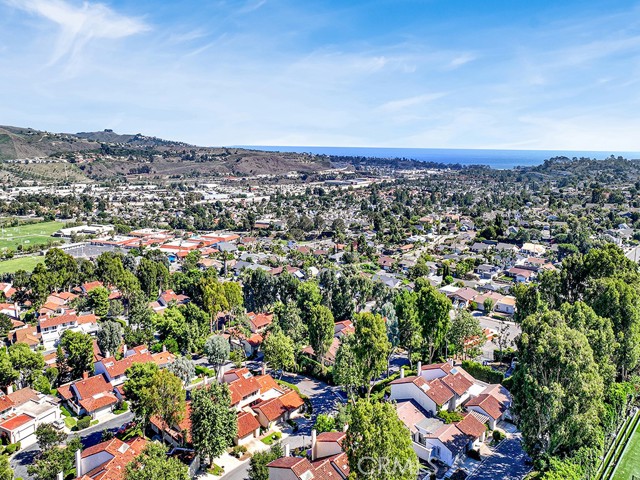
[460, 60]
[397, 105]
[80, 25]
[252, 6]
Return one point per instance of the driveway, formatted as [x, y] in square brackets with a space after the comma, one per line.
[513, 331]
[89, 437]
[508, 462]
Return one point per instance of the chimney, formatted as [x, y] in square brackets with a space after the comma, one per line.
[401, 372]
[164, 347]
[124, 350]
[419, 367]
[79, 471]
[287, 450]
[264, 368]
[107, 354]
[451, 362]
[314, 438]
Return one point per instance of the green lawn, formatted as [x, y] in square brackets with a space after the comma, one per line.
[629, 464]
[22, 263]
[272, 438]
[32, 234]
[70, 422]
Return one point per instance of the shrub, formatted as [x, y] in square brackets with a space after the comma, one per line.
[12, 448]
[83, 422]
[506, 355]
[450, 417]
[238, 451]
[498, 435]
[482, 373]
[200, 370]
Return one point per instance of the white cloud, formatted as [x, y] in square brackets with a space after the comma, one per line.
[460, 60]
[397, 105]
[80, 24]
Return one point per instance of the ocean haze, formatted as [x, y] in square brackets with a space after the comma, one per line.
[499, 159]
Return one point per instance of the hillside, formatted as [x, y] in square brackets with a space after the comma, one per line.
[28, 154]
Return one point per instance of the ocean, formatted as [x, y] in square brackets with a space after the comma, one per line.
[499, 159]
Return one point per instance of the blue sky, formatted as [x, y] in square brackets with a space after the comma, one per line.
[390, 73]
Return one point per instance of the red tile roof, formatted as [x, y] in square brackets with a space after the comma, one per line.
[16, 421]
[92, 386]
[471, 426]
[439, 392]
[247, 424]
[273, 409]
[291, 400]
[92, 404]
[331, 437]
[6, 403]
[458, 383]
[488, 404]
[266, 383]
[22, 396]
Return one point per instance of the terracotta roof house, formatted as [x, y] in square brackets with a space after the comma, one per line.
[432, 396]
[270, 412]
[329, 462]
[169, 296]
[488, 405]
[92, 396]
[177, 435]
[243, 386]
[22, 411]
[108, 460]
[52, 328]
[259, 321]
[248, 428]
[28, 335]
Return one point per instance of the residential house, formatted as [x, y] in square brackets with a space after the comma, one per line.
[22, 411]
[258, 322]
[487, 271]
[328, 461]
[463, 297]
[114, 371]
[92, 396]
[248, 428]
[169, 296]
[178, 435]
[108, 460]
[521, 275]
[506, 305]
[52, 328]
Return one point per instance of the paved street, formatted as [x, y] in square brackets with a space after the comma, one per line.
[509, 462]
[90, 436]
[512, 333]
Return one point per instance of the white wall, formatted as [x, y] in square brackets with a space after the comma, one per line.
[409, 391]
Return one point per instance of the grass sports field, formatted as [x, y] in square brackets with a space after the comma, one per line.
[629, 464]
[34, 234]
[23, 263]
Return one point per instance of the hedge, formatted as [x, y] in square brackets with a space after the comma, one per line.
[482, 373]
[83, 422]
